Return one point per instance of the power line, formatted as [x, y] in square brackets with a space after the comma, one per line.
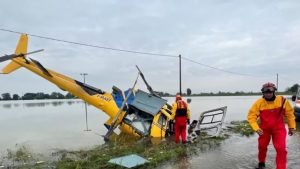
[88, 45]
[193, 61]
[123, 50]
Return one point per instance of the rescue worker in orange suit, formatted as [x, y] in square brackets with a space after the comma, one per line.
[181, 115]
[270, 111]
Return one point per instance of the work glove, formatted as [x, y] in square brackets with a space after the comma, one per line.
[188, 121]
[291, 131]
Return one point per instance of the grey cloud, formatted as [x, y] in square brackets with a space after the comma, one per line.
[250, 37]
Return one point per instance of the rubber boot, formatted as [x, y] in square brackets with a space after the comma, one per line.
[261, 165]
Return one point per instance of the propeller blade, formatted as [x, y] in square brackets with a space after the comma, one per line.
[36, 51]
[8, 57]
[144, 79]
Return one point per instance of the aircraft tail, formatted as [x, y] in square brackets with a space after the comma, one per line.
[12, 66]
[21, 49]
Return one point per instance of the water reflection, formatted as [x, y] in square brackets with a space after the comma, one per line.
[39, 103]
[62, 124]
[183, 162]
[241, 153]
[7, 105]
[237, 152]
[49, 124]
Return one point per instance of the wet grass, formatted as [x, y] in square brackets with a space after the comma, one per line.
[98, 157]
[156, 151]
[22, 154]
[241, 127]
[21, 158]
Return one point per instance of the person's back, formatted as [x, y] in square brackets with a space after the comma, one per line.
[182, 117]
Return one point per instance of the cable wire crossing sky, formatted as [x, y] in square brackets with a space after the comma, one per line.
[225, 45]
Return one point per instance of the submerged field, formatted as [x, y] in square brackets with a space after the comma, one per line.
[51, 134]
[156, 151]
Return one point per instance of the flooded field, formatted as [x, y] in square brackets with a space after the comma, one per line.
[45, 126]
[50, 125]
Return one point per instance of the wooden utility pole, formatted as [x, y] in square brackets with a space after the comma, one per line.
[277, 81]
[180, 91]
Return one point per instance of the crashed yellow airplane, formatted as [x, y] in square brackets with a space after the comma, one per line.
[137, 113]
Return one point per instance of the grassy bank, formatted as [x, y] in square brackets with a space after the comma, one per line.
[156, 154]
[241, 127]
[156, 151]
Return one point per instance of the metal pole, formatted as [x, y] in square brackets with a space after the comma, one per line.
[180, 92]
[277, 81]
[85, 104]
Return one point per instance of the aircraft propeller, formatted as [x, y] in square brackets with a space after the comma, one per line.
[144, 79]
[12, 56]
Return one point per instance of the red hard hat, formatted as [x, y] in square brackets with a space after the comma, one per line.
[178, 97]
[268, 85]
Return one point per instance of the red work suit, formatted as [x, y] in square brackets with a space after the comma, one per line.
[272, 124]
[181, 118]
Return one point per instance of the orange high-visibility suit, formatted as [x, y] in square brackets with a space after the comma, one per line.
[181, 112]
[272, 125]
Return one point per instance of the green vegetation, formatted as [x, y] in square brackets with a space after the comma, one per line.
[157, 152]
[166, 151]
[289, 91]
[22, 154]
[21, 158]
[56, 95]
[36, 96]
[241, 127]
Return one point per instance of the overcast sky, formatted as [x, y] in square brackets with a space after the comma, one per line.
[255, 38]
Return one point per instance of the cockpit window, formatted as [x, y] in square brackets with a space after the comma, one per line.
[139, 120]
[162, 120]
[142, 126]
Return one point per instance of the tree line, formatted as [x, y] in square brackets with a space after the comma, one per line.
[36, 96]
[56, 95]
[288, 91]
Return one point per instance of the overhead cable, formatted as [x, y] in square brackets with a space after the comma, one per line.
[123, 50]
[88, 45]
[193, 61]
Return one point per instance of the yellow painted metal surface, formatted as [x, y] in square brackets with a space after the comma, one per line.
[158, 127]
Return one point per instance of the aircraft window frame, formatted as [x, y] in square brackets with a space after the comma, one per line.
[162, 120]
[139, 120]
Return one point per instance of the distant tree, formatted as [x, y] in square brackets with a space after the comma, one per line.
[56, 95]
[293, 89]
[6, 96]
[16, 97]
[167, 94]
[161, 93]
[46, 96]
[41, 95]
[69, 96]
[188, 91]
[28, 96]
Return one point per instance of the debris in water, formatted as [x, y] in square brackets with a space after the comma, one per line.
[40, 162]
[129, 161]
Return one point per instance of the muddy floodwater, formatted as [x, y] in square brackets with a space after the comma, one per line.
[45, 126]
